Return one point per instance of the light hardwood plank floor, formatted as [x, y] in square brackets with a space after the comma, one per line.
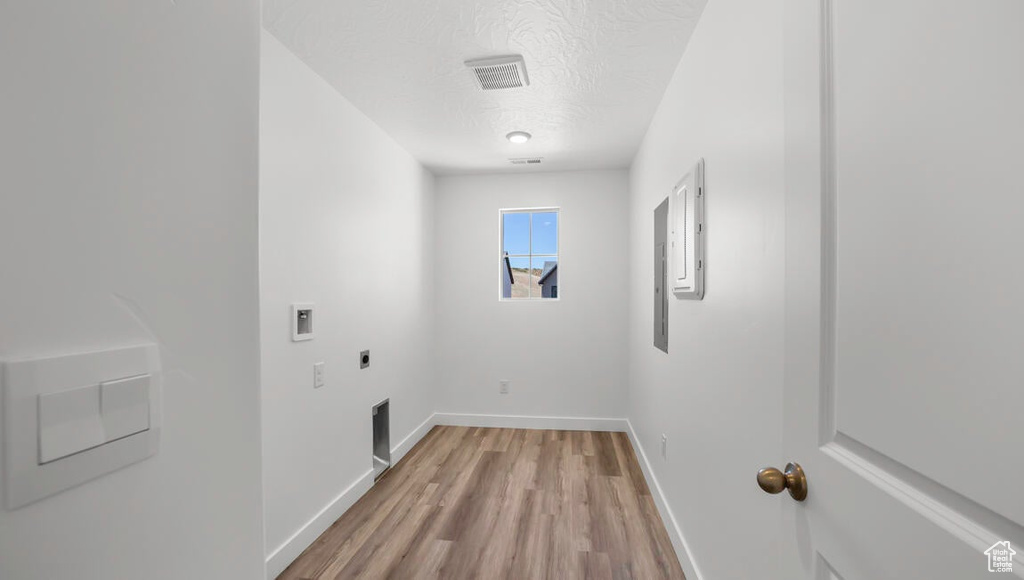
[511, 504]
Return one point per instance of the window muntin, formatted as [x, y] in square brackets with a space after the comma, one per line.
[529, 252]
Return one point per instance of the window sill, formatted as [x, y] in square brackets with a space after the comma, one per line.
[529, 299]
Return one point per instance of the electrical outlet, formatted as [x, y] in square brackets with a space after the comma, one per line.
[318, 375]
[503, 389]
[664, 446]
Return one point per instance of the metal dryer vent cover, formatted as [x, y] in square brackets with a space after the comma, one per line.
[500, 72]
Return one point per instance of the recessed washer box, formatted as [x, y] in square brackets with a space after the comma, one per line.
[302, 321]
[72, 418]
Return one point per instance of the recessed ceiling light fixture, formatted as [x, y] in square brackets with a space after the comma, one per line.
[518, 137]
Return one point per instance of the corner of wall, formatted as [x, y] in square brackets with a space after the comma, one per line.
[675, 532]
[282, 556]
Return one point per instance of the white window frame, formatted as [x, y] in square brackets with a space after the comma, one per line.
[501, 250]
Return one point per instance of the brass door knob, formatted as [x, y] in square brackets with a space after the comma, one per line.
[774, 481]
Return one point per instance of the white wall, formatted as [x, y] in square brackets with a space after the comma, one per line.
[717, 394]
[128, 213]
[564, 358]
[346, 223]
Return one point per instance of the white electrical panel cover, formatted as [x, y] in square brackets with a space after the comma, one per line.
[72, 418]
[688, 234]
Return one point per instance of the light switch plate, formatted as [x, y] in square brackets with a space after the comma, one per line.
[57, 431]
[318, 375]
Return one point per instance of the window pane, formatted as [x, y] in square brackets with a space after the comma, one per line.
[520, 277]
[545, 233]
[545, 277]
[516, 233]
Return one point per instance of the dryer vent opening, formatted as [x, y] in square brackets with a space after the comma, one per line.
[381, 439]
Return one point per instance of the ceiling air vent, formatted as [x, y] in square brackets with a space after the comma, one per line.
[525, 160]
[500, 72]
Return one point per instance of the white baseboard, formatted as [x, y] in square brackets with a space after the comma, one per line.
[287, 552]
[399, 450]
[675, 534]
[530, 422]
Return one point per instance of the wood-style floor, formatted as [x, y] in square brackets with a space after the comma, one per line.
[489, 504]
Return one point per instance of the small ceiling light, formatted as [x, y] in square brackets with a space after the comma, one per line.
[518, 137]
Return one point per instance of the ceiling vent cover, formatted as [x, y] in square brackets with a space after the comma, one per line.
[525, 160]
[500, 72]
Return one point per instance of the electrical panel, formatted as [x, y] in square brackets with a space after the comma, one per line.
[688, 235]
[661, 276]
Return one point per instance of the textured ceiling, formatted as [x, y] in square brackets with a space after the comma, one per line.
[597, 68]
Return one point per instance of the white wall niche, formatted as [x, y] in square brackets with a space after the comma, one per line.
[302, 322]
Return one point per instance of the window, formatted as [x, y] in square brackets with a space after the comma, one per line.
[529, 254]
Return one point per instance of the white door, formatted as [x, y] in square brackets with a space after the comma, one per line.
[905, 287]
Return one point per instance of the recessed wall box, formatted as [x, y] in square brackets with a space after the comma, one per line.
[72, 418]
[688, 231]
[302, 322]
[381, 438]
